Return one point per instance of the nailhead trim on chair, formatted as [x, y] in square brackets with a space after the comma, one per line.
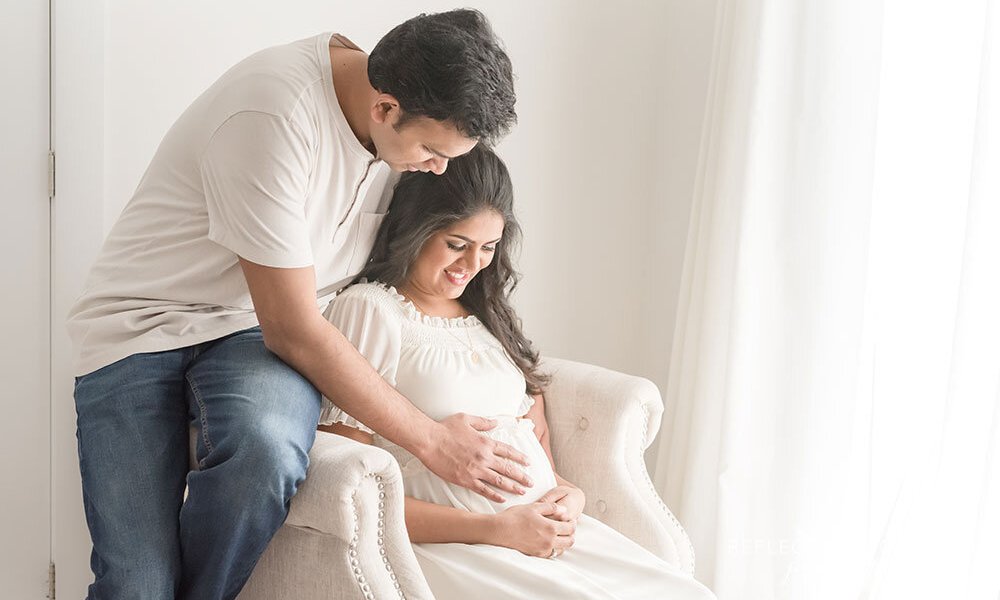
[663, 506]
[355, 565]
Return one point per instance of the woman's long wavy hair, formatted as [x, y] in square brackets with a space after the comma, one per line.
[424, 204]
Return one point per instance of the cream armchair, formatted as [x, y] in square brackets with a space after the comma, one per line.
[345, 535]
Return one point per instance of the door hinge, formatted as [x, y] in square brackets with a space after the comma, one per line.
[52, 582]
[52, 174]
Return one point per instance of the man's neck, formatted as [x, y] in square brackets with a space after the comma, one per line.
[354, 93]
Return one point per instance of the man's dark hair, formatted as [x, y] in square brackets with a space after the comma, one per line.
[450, 67]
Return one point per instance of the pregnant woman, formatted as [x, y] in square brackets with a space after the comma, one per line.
[433, 316]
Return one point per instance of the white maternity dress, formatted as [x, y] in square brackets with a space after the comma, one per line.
[445, 366]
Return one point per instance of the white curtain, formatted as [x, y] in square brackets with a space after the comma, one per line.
[832, 427]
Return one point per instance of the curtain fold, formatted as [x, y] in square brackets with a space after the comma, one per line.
[831, 412]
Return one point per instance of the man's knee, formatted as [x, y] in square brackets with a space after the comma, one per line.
[267, 456]
[280, 446]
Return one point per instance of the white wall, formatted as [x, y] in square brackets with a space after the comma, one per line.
[686, 53]
[610, 104]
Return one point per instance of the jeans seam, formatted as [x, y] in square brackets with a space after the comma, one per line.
[202, 417]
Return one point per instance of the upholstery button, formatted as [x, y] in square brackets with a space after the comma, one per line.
[584, 423]
[602, 506]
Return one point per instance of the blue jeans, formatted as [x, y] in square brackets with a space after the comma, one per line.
[256, 421]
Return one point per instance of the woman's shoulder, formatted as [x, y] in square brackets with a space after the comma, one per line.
[364, 289]
[366, 315]
[369, 292]
[366, 297]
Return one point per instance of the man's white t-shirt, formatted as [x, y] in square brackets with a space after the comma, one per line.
[263, 166]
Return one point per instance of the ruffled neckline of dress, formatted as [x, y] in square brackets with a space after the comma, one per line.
[414, 313]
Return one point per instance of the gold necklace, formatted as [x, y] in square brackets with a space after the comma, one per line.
[472, 350]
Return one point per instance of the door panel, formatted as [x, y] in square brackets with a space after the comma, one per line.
[24, 271]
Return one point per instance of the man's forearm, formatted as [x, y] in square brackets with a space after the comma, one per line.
[318, 351]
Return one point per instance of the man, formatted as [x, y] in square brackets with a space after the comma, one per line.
[203, 306]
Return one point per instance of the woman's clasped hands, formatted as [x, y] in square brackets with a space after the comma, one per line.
[545, 528]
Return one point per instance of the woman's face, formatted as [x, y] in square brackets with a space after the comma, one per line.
[453, 256]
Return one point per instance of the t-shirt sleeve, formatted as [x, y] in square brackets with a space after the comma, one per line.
[255, 172]
[372, 328]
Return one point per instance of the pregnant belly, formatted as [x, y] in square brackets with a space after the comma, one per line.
[424, 485]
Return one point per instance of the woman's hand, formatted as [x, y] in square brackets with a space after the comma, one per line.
[536, 529]
[571, 498]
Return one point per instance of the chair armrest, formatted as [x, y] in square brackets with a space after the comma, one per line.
[600, 423]
[345, 535]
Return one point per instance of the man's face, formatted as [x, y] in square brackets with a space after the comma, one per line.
[421, 144]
